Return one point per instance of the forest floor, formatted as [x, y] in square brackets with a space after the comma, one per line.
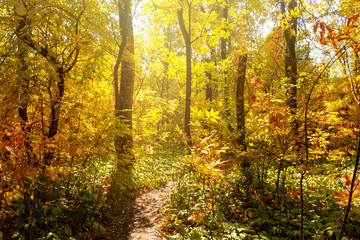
[138, 217]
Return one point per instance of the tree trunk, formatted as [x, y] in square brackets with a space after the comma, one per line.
[24, 82]
[124, 94]
[209, 94]
[165, 79]
[187, 38]
[223, 52]
[291, 63]
[240, 106]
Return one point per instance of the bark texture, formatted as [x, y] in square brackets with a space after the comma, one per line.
[240, 106]
[187, 38]
[124, 94]
[291, 60]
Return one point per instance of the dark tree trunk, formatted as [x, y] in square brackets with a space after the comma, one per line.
[291, 74]
[291, 62]
[187, 38]
[124, 94]
[56, 104]
[209, 91]
[24, 101]
[240, 106]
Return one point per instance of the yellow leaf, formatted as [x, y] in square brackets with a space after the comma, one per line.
[8, 196]
[79, 151]
[21, 9]
[351, 152]
[51, 168]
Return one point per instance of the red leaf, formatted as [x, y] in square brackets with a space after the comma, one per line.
[322, 26]
[329, 29]
[107, 179]
[316, 25]
[253, 97]
[330, 36]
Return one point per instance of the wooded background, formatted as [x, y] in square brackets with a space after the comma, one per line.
[258, 102]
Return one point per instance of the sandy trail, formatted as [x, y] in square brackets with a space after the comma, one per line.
[137, 218]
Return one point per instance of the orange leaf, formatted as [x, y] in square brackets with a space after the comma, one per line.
[357, 47]
[334, 44]
[348, 180]
[329, 29]
[323, 41]
[330, 36]
[356, 16]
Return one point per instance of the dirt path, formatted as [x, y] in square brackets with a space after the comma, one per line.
[137, 218]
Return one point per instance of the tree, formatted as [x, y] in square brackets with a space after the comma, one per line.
[24, 31]
[291, 74]
[124, 94]
[186, 33]
[240, 100]
[223, 52]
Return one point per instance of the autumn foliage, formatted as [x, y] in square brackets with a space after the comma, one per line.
[250, 108]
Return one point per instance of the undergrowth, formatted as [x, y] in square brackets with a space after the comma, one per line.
[221, 203]
[71, 203]
[153, 171]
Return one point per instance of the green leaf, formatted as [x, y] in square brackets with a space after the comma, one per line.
[181, 229]
[15, 235]
[168, 237]
[260, 237]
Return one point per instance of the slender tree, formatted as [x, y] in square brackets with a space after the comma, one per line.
[240, 106]
[124, 93]
[290, 32]
[223, 51]
[61, 67]
[186, 33]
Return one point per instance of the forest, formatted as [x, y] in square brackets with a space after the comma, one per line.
[248, 109]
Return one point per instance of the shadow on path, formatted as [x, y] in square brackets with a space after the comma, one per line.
[120, 222]
[137, 218]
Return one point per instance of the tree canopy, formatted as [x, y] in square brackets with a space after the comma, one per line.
[252, 107]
